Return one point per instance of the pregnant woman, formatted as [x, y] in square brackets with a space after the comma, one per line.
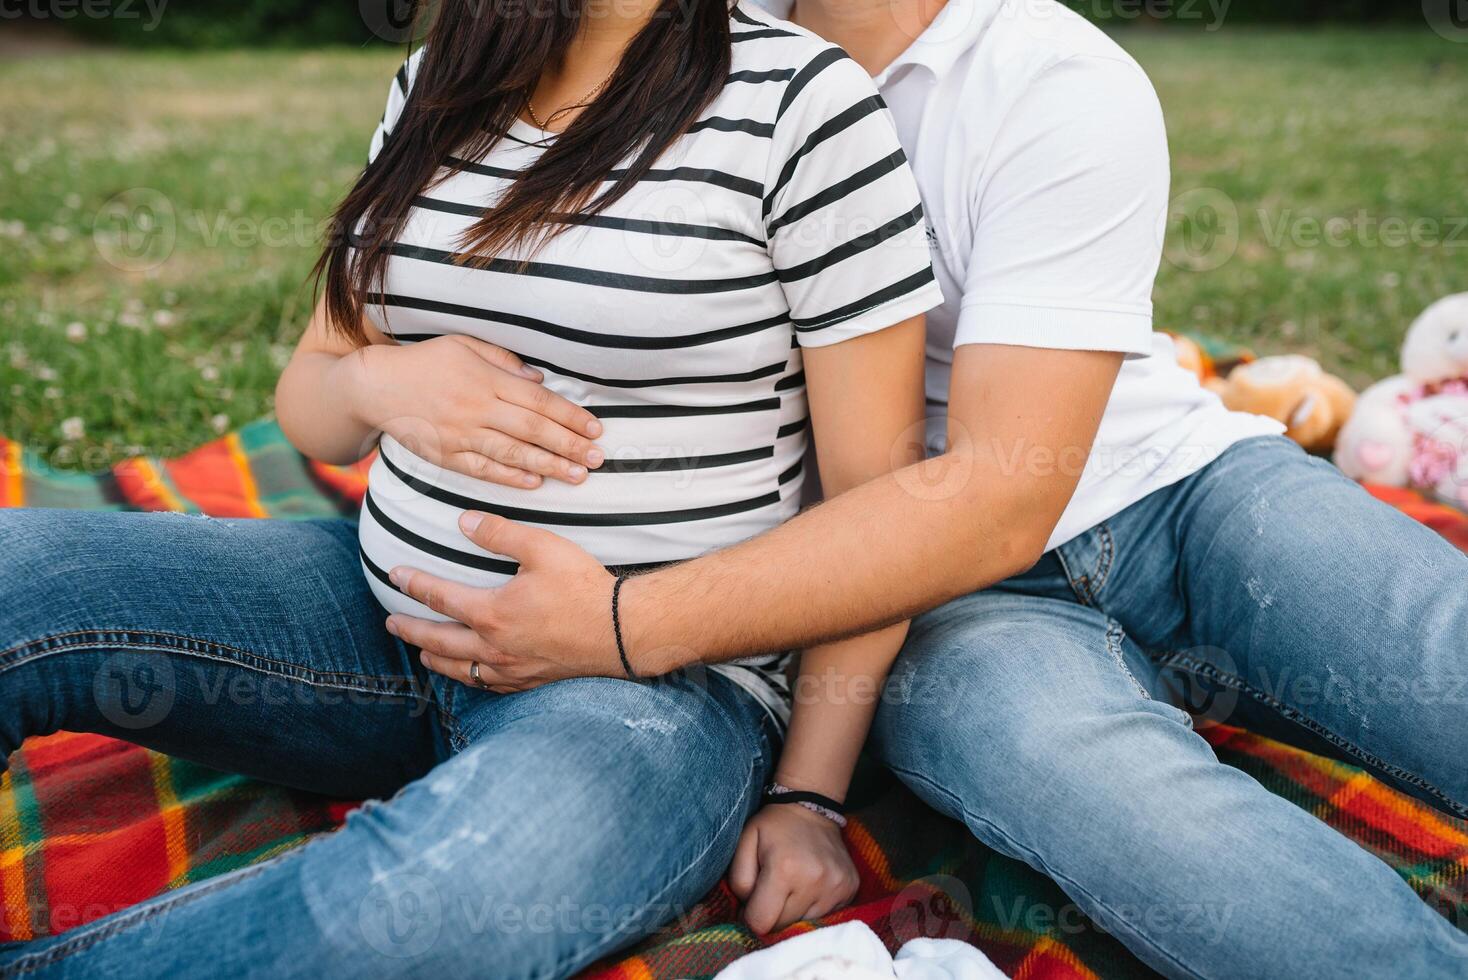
[694, 227]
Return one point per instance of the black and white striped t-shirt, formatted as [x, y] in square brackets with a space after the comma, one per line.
[785, 218]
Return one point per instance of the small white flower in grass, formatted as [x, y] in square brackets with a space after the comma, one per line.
[52, 392]
[164, 318]
[45, 372]
[220, 422]
[209, 373]
[130, 320]
[76, 332]
[59, 233]
[73, 429]
[73, 201]
[1391, 280]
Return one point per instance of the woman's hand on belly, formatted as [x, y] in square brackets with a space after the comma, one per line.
[473, 408]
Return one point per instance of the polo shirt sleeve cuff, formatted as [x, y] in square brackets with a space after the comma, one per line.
[871, 320]
[1056, 327]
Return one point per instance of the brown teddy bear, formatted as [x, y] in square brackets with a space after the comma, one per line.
[1295, 390]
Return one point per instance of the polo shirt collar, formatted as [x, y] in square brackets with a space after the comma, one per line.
[956, 29]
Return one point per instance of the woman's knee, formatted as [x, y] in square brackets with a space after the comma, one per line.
[35, 545]
[562, 832]
[578, 767]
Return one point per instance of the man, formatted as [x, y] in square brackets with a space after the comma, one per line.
[1097, 525]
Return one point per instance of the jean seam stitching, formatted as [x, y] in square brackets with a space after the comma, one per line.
[223, 654]
[1078, 586]
[97, 637]
[1043, 866]
[458, 741]
[1115, 633]
[1087, 588]
[1105, 563]
[311, 678]
[1369, 760]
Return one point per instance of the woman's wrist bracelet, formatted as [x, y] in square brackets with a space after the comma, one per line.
[814, 802]
[617, 627]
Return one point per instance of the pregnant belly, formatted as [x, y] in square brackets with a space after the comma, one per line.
[410, 517]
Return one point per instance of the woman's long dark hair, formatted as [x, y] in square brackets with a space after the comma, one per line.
[483, 58]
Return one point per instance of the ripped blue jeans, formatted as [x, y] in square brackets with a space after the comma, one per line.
[1266, 591]
[525, 835]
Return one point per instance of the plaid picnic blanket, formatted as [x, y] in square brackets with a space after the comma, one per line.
[89, 825]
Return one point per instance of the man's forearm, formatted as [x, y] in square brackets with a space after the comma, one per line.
[1021, 425]
[873, 556]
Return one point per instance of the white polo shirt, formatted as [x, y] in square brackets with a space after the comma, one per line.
[1041, 156]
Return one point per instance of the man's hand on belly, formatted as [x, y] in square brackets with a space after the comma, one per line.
[552, 621]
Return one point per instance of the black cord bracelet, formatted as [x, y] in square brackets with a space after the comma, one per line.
[815, 802]
[617, 626]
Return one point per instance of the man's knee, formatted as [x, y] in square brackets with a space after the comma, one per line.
[995, 722]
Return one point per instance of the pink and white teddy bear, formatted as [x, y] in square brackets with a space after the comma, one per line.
[1411, 430]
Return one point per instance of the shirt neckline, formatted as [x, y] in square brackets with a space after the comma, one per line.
[954, 31]
[524, 132]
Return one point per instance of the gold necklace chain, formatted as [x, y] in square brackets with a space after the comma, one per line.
[586, 100]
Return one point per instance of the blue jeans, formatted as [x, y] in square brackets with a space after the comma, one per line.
[1266, 590]
[526, 835]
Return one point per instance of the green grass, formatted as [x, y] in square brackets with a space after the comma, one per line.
[241, 155]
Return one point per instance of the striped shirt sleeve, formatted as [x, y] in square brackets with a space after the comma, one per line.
[397, 98]
[842, 213]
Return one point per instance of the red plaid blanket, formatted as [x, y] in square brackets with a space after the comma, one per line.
[89, 825]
